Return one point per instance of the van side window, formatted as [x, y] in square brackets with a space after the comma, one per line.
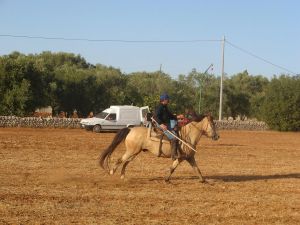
[111, 116]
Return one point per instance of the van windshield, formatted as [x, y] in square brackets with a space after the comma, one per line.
[101, 115]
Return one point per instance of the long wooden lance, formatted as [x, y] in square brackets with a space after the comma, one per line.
[183, 142]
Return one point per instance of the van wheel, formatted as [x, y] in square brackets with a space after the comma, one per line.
[97, 128]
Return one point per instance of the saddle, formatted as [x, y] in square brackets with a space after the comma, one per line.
[157, 135]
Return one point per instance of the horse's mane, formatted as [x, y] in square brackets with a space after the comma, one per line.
[196, 117]
[199, 117]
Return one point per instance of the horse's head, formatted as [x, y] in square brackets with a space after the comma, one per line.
[209, 128]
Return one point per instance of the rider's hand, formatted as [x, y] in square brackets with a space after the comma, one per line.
[164, 127]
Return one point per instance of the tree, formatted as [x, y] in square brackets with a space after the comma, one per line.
[67, 82]
[197, 84]
[149, 86]
[280, 107]
[13, 101]
[242, 94]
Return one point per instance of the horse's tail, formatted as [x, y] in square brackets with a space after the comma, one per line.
[105, 155]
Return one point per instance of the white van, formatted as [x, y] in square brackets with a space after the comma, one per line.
[116, 117]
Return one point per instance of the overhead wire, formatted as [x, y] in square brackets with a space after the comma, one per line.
[258, 57]
[150, 41]
[109, 40]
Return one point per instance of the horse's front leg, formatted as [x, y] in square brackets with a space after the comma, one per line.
[172, 169]
[193, 164]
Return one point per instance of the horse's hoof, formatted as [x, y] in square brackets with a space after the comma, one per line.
[122, 177]
[111, 172]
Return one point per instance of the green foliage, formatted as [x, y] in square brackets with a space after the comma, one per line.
[242, 94]
[149, 86]
[281, 104]
[199, 91]
[67, 82]
[13, 101]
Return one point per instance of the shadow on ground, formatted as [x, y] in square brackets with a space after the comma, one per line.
[236, 178]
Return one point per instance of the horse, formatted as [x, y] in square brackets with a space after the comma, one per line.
[137, 140]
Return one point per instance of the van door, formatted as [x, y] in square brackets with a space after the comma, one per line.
[110, 122]
[143, 114]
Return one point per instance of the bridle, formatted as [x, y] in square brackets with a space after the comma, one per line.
[201, 131]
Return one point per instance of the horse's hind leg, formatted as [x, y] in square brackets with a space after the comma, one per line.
[125, 158]
[172, 169]
[115, 166]
[125, 165]
[123, 169]
[193, 163]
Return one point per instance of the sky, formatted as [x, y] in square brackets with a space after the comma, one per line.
[262, 36]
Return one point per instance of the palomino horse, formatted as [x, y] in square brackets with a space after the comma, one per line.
[137, 140]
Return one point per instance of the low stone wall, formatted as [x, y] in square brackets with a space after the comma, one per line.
[241, 125]
[35, 122]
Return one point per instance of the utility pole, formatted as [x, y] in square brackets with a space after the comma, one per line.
[200, 92]
[221, 82]
[210, 66]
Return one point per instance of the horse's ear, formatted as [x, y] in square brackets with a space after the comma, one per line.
[200, 117]
[210, 116]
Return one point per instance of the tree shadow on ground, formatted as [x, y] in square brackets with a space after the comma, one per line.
[243, 178]
[237, 178]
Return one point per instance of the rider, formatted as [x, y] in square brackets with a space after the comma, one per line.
[167, 121]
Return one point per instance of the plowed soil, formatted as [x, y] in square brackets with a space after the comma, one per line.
[52, 176]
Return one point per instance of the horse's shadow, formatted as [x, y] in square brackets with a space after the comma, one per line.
[237, 178]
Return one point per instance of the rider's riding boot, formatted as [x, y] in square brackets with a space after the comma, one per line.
[174, 149]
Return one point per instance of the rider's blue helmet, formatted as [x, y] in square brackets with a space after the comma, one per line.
[164, 96]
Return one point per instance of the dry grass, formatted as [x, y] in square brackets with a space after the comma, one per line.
[51, 176]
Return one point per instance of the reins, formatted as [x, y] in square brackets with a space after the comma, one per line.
[201, 131]
[184, 135]
[182, 141]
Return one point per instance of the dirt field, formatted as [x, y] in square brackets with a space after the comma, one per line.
[52, 176]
